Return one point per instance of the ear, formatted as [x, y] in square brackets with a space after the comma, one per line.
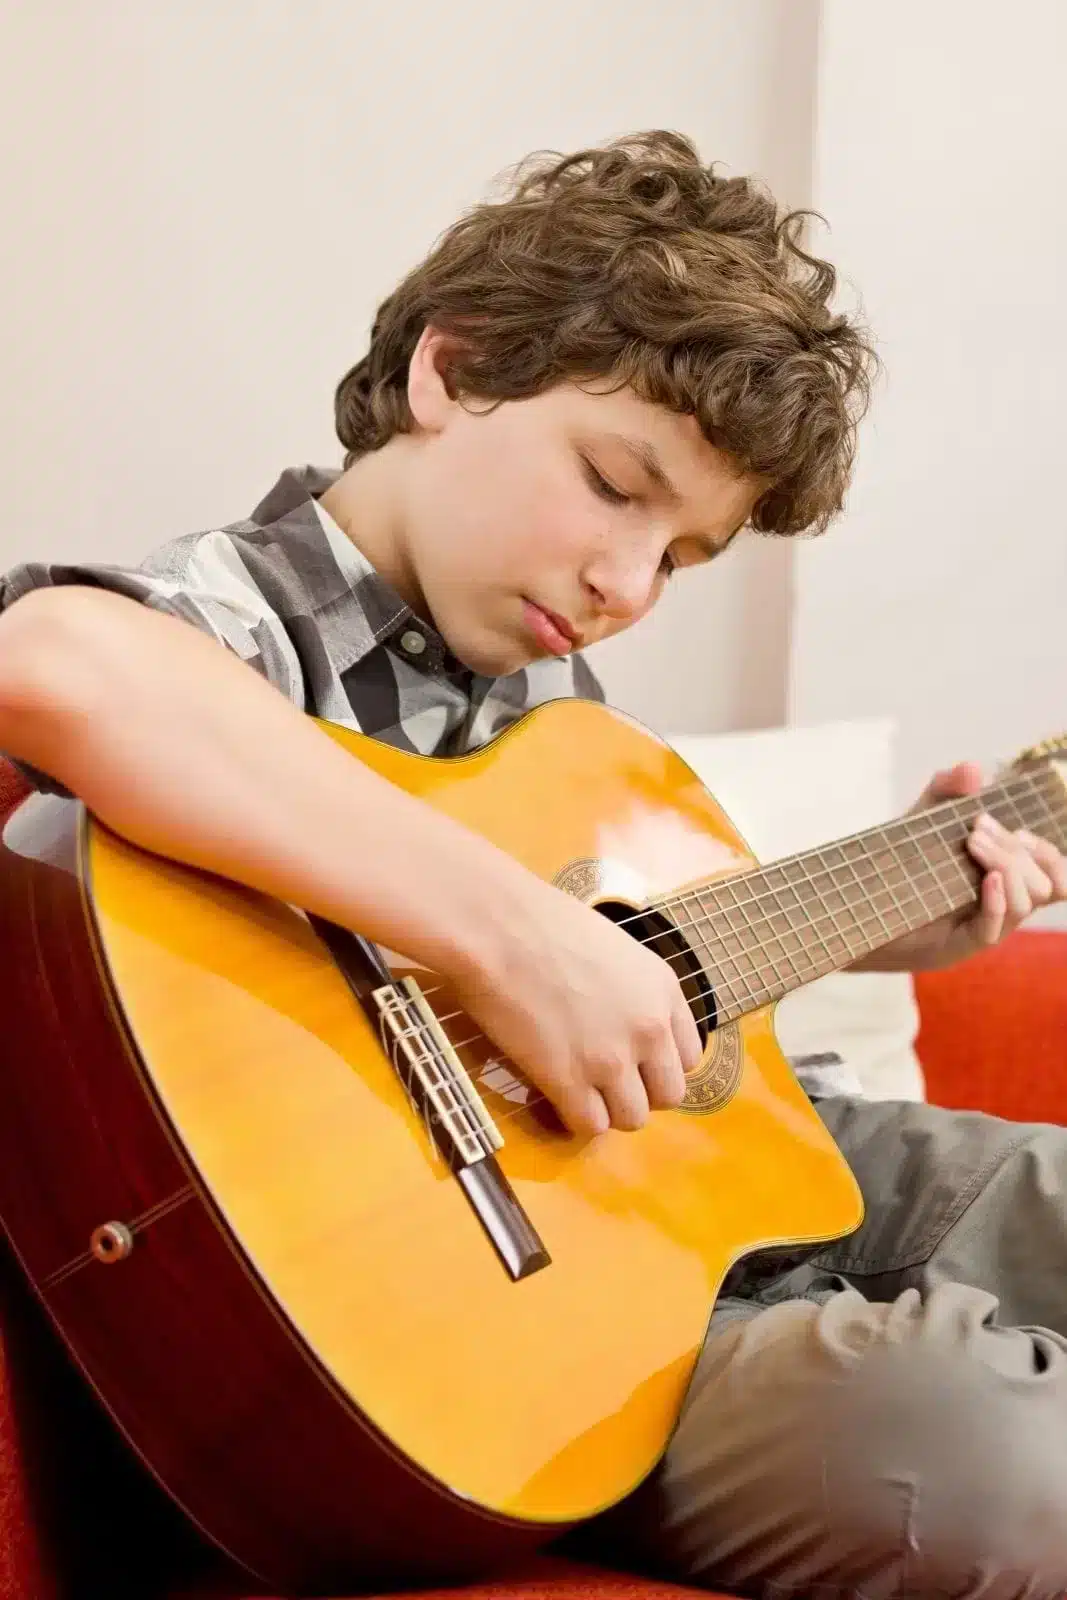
[431, 395]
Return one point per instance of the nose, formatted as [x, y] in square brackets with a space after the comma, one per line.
[622, 583]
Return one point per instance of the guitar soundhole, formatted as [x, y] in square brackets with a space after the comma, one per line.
[657, 931]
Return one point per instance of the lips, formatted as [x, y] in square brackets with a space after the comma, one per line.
[561, 623]
[550, 630]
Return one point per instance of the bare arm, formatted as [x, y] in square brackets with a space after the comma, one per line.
[185, 750]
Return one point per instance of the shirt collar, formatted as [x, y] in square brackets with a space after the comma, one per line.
[386, 617]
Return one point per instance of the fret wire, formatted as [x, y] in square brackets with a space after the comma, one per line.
[1035, 821]
[890, 888]
[861, 925]
[826, 914]
[1046, 825]
[739, 960]
[755, 997]
[928, 875]
[779, 940]
[1030, 788]
[810, 916]
[812, 926]
[691, 925]
[932, 869]
[759, 872]
[856, 879]
[1055, 819]
[929, 870]
[931, 829]
[920, 883]
[733, 938]
[696, 933]
[768, 994]
[781, 911]
[742, 962]
[813, 922]
[915, 896]
[955, 862]
[781, 985]
[858, 922]
[801, 861]
[814, 918]
[712, 952]
[961, 810]
[680, 905]
[702, 907]
[931, 877]
[1055, 816]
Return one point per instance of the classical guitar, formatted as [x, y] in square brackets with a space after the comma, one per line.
[350, 1292]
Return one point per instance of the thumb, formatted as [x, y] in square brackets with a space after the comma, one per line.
[953, 783]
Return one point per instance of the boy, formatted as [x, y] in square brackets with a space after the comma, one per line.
[583, 388]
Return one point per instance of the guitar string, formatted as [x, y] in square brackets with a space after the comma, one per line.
[815, 894]
[534, 1097]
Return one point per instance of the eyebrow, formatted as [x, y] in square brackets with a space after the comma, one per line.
[647, 458]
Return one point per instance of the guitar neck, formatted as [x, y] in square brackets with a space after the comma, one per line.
[767, 932]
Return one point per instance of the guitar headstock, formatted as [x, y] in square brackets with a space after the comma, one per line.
[1050, 752]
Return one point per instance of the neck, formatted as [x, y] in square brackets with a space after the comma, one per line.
[767, 932]
[366, 502]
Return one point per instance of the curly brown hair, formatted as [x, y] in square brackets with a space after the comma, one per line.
[636, 264]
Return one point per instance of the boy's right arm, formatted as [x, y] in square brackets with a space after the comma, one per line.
[183, 749]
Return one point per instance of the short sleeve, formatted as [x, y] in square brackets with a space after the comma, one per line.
[200, 579]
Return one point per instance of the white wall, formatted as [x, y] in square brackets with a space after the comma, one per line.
[942, 598]
[206, 202]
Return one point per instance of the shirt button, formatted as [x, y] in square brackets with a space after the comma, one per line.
[412, 643]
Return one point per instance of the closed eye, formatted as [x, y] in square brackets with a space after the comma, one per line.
[600, 485]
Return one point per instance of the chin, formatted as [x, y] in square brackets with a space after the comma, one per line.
[491, 658]
[496, 663]
[492, 651]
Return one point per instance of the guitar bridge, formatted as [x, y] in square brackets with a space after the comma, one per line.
[459, 1123]
[434, 1065]
[436, 1078]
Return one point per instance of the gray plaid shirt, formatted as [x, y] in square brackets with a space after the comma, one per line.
[290, 594]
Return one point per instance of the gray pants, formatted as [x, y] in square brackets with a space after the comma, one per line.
[888, 1418]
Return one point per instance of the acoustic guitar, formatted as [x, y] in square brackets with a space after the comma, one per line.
[363, 1307]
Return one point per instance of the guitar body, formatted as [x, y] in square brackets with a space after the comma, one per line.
[299, 1323]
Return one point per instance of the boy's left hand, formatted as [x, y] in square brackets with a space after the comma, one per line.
[1022, 872]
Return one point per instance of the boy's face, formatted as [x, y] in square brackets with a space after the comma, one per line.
[548, 524]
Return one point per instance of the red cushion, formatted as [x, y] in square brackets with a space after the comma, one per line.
[549, 1580]
[994, 1030]
[13, 787]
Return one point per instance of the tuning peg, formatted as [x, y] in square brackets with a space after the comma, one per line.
[1044, 750]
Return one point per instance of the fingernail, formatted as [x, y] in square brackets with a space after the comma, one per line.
[989, 825]
[1026, 837]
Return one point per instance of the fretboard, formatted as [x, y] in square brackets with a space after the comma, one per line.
[766, 932]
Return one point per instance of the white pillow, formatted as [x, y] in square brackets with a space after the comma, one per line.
[790, 789]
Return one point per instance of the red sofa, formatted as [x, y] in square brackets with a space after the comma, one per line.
[79, 1522]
